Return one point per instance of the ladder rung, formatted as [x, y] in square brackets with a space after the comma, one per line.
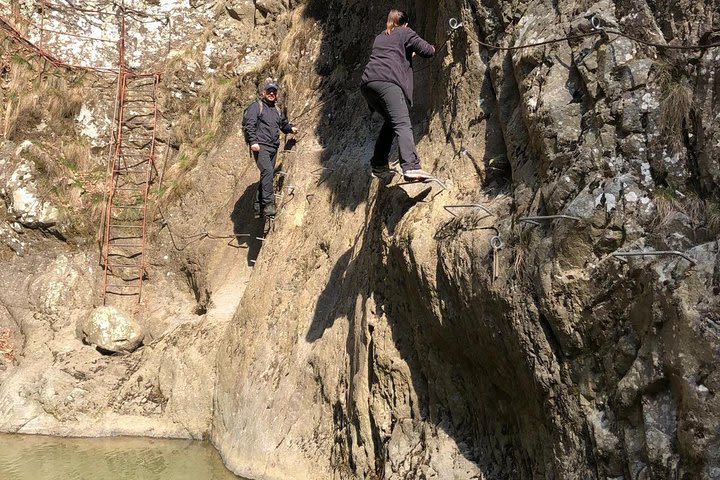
[128, 280]
[122, 245]
[130, 265]
[125, 226]
[134, 207]
[136, 163]
[118, 281]
[130, 175]
[134, 149]
[137, 181]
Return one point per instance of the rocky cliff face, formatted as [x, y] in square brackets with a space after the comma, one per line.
[373, 336]
[387, 349]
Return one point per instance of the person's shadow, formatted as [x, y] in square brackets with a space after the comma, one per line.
[246, 228]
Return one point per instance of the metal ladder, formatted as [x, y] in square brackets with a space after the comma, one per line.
[130, 173]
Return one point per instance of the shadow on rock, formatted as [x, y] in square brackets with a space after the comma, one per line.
[345, 126]
[246, 227]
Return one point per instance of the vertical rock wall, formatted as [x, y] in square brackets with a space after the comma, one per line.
[373, 341]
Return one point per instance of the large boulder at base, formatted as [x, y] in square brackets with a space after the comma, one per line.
[110, 329]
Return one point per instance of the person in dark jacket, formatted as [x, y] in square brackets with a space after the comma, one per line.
[263, 121]
[387, 85]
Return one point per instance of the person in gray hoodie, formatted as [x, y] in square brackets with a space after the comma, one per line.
[387, 85]
[262, 123]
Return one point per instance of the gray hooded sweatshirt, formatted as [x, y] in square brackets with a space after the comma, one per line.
[391, 58]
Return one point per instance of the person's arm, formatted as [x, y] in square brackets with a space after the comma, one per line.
[251, 119]
[418, 45]
[286, 126]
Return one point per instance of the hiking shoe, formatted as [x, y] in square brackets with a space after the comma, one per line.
[381, 171]
[269, 210]
[416, 175]
[384, 173]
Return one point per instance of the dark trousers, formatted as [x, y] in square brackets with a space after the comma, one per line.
[265, 161]
[388, 99]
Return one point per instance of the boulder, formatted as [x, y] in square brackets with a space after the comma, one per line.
[24, 201]
[110, 329]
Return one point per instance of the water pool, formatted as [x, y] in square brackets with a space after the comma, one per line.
[34, 457]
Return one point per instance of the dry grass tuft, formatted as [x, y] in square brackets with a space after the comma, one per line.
[701, 213]
[667, 204]
[41, 103]
[76, 156]
[521, 252]
[712, 217]
[31, 95]
[676, 102]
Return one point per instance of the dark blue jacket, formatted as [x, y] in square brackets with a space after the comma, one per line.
[264, 127]
[391, 58]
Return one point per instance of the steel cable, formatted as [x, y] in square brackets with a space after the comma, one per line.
[597, 30]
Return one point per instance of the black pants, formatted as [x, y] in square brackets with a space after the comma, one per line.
[265, 161]
[388, 99]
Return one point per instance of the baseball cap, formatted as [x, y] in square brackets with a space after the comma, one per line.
[271, 86]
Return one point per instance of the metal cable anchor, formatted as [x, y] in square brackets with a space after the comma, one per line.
[537, 219]
[455, 23]
[656, 254]
[468, 205]
[496, 244]
[321, 170]
[429, 180]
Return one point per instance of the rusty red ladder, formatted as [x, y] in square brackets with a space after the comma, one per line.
[130, 173]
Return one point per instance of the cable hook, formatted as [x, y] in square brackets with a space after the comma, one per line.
[455, 23]
[496, 243]
[595, 23]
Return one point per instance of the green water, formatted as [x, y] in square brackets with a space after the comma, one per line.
[33, 457]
